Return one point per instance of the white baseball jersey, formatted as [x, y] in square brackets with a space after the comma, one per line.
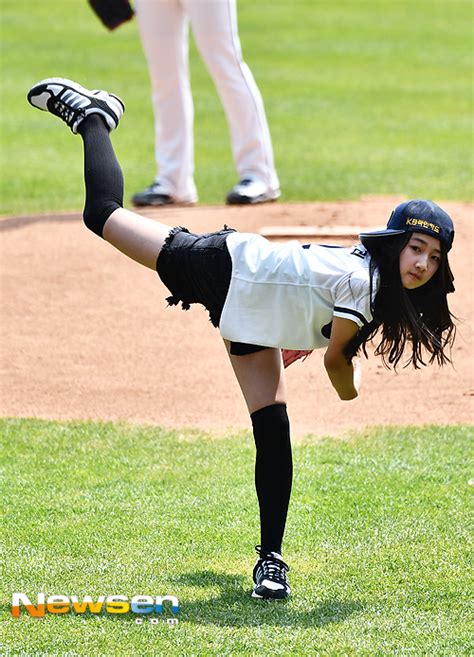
[285, 295]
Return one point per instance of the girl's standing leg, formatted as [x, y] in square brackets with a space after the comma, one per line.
[261, 379]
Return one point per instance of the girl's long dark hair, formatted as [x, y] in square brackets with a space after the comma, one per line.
[417, 318]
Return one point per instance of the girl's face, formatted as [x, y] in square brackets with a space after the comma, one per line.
[419, 260]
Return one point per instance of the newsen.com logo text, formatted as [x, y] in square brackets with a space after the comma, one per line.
[141, 605]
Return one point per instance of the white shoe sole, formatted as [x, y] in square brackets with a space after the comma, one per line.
[257, 596]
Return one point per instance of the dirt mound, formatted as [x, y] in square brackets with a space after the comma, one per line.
[86, 333]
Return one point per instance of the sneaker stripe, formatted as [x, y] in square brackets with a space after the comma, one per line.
[74, 99]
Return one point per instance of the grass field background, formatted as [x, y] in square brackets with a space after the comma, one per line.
[378, 540]
[362, 96]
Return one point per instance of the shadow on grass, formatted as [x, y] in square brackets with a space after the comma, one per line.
[234, 606]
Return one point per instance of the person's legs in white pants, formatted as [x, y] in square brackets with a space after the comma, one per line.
[163, 26]
[214, 26]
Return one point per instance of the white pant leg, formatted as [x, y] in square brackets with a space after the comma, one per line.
[163, 27]
[214, 26]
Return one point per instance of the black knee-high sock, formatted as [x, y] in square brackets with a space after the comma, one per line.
[273, 472]
[102, 174]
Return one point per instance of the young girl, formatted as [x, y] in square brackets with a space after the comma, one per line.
[274, 303]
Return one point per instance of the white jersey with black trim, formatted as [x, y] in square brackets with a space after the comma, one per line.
[285, 295]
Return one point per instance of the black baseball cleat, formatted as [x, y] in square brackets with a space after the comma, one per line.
[250, 191]
[269, 576]
[73, 103]
[154, 195]
[158, 194]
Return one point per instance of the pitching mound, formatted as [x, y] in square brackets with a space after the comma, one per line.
[86, 333]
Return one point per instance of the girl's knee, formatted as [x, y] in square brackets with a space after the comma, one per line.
[94, 216]
[271, 420]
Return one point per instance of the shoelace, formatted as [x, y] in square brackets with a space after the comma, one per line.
[66, 113]
[272, 568]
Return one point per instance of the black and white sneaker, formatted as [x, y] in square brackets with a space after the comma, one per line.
[249, 191]
[72, 103]
[269, 576]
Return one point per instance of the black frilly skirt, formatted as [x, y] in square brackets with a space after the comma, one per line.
[197, 268]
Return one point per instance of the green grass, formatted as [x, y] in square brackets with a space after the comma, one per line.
[362, 96]
[377, 540]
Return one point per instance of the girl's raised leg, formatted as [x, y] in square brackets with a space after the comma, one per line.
[92, 114]
[137, 237]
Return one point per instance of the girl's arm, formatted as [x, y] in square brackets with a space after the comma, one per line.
[340, 372]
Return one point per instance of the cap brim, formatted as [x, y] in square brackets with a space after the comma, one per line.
[381, 233]
[377, 238]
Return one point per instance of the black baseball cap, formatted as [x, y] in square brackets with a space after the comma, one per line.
[415, 216]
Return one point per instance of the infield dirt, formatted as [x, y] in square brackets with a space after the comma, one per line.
[86, 333]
